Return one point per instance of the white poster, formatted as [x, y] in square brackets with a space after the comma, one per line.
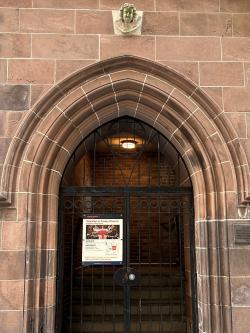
[102, 240]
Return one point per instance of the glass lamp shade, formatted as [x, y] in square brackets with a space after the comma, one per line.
[128, 144]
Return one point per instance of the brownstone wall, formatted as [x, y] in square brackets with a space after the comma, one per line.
[43, 41]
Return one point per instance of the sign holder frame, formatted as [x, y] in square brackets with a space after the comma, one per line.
[103, 217]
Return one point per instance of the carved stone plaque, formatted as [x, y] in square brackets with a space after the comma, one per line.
[242, 234]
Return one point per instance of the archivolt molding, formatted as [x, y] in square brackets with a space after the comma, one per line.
[164, 99]
[140, 88]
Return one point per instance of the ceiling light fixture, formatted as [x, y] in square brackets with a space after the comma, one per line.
[128, 144]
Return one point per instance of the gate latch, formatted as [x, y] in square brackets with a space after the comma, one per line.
[127, 276]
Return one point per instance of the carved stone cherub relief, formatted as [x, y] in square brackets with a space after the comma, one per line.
[127, 21]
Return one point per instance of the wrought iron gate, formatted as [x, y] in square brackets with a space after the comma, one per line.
[153, 290]
[145, 294]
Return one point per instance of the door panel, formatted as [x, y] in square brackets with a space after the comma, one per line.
[93, 299]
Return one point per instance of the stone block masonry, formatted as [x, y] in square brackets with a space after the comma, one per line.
[44, 41]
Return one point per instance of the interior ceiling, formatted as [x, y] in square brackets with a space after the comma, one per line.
[109, 136]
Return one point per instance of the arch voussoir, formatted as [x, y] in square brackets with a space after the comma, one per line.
[176, 107]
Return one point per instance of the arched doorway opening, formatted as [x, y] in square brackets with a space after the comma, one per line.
[126, 235]
[68, 113]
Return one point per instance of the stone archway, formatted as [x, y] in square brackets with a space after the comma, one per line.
[176, 107]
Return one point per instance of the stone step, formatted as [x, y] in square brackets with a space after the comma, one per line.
[166, 326]
[118, 309]
[108, 293]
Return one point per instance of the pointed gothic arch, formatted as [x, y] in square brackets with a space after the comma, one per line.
[176, 107]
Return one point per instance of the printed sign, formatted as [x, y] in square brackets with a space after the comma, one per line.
[102, 239]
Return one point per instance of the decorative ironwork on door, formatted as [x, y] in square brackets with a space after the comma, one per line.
[154, 289]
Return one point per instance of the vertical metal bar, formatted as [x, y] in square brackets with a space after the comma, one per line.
[103, 303]
[104, 174]
[181, 268]
[113, 280]
[149, 171]
[161, 259]
[127, 242]
[93, 201]
[149, 226]
[82, 305]
[72, 264]
[159, 224]
[140, 266]
[92, 300]
[127, 305]
[113, 301]
[178, 170]
[113, 169]
[127, 309]
[158, 161]
[169, 240]
[139, 173]
[94, 161]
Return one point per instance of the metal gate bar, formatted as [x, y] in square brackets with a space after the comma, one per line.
[157, 198]
[143, 184]
[133, 190]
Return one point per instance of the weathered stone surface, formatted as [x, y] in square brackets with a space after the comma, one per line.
[57, 56]
[14, 97]
[11, 321]
[2, 123]
[15, 46]
[16, 3]
[114, 46]
[240, 291]
[66, 67]
[240, 319]
[215, 93]
[236, 99]
[3, 71]
[11, 295]
[240, 6]
[187, 5]
[14, 236]
[4, 145]
[200, 24]
[37, 91]
[238, 120]
[248, 125]
[236, 48]
[157, 23]
[116, 4]
[13, 121]
[47, 20]
[241, 25]
[71, 4]
[65, 46]
[13, 263]
[188, 48]
[31, 71]
[221, 74]
[94, 22]
[188, 69]
[239, 262]
[247, 73]
[9, 20]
